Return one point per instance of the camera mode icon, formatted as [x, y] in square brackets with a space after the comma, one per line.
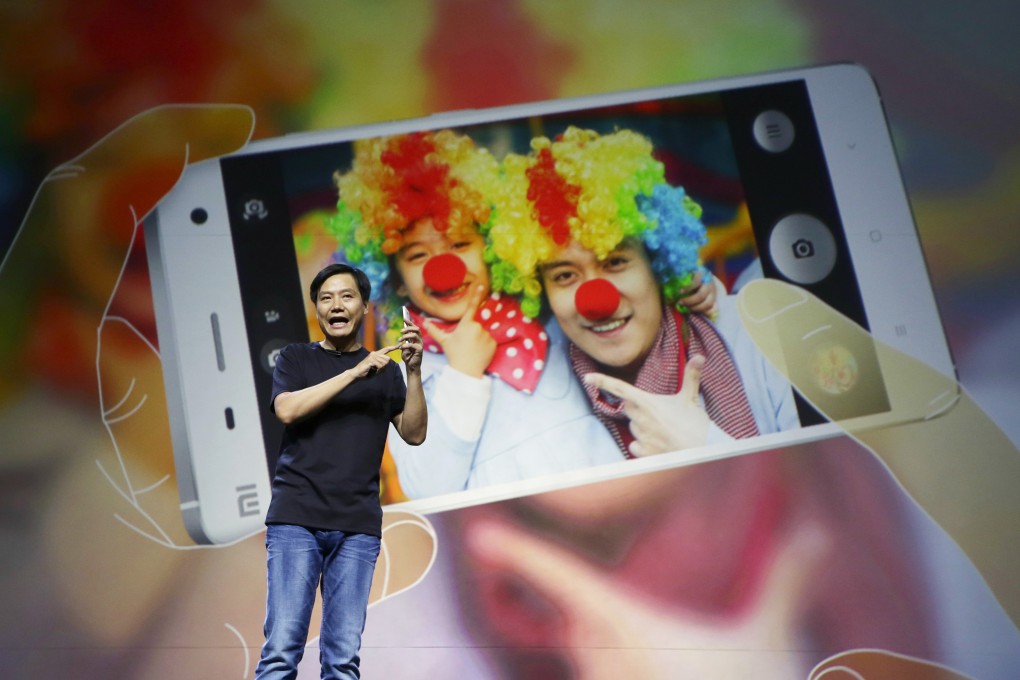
[270, 353]
[802, 248]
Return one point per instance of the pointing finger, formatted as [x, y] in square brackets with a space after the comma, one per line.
[614, 386]
[435, 331]
[477, 295]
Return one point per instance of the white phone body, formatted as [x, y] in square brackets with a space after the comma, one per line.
[214, 352]
[219, 454]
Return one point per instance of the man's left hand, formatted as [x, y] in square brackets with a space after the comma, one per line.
[411, 346]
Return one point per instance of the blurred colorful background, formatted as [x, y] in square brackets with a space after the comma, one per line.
[86, 597]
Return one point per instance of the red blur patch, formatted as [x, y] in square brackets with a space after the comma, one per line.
[444, 272]
[597, 299]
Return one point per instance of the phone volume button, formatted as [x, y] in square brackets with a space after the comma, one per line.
[221, 362]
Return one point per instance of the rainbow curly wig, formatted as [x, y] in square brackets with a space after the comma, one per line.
[396, 181]
[597, 190]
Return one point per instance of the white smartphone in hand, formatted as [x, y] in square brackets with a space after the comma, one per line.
[806, 153]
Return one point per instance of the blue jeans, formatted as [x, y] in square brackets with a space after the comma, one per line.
[299, 560]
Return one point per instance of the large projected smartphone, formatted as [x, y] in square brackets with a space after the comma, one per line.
[804, 156]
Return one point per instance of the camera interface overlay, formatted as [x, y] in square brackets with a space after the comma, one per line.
[750, 157]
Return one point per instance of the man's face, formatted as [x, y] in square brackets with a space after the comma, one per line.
[422, 242]
[340, 310]
[622, 340]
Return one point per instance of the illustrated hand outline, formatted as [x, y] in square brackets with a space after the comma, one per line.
[91, 208]
[943, 450]
[84, 220]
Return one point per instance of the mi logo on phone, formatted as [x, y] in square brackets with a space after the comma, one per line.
[247, 500]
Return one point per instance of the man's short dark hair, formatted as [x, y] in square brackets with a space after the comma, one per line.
[364, 285]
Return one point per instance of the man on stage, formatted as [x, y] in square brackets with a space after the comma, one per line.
[324, 523]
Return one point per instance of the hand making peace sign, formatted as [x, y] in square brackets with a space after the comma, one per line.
[661, 422]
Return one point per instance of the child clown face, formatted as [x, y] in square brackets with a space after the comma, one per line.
[439, 270]
[409, 215]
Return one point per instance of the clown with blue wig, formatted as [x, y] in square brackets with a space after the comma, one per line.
[587, 225]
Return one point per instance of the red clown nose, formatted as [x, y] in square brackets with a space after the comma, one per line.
[444, 272]
[596, 299]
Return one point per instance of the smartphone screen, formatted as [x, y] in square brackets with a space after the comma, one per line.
[754, 148]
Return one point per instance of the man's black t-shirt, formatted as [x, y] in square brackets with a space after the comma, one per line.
[327, 476]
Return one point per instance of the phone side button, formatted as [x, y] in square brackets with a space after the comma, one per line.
[221, 361]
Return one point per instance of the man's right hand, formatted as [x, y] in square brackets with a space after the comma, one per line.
[373, 363]
[661, 422]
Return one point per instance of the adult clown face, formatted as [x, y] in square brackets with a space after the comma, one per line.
[609, 307]
[590, 220]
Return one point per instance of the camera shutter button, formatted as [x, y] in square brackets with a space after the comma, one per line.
[802, 248]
